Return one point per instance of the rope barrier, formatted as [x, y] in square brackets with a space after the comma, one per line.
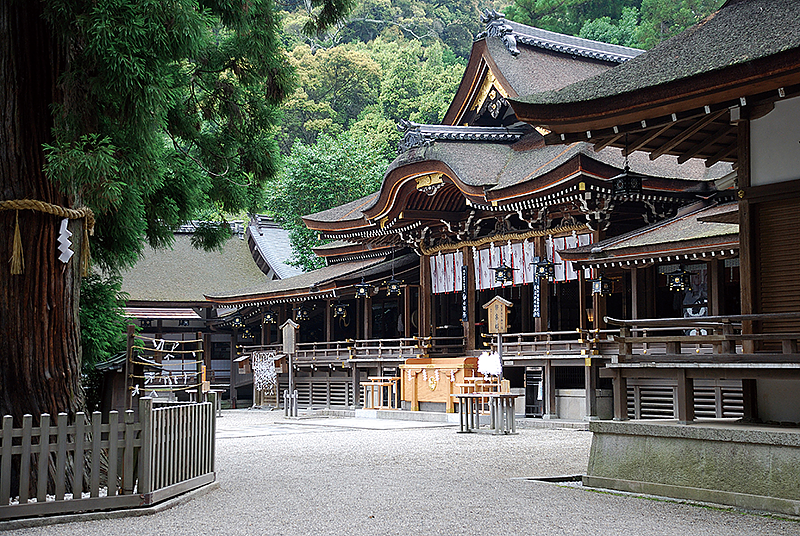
[17, 261]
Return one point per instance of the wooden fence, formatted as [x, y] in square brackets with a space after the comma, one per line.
[62, 467]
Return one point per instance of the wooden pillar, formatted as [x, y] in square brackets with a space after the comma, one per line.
[590, 383]
[716, 293]
[367, 318]
[685, 395]
[234, 367]
[746, 238]
[469, 324]
[328, 321]
[750, 400]
[637, 301]
[425, 317]
[582, 301]
[550, 410]
[207, 355]
[407, 312]
[526, 309]
[620, 386]
[264, 332]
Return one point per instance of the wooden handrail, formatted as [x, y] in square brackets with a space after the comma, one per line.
[699, 320]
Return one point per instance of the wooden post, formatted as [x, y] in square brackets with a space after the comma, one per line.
[636, 294]
[550, 410]
[425, 296]
[407, 312]
[746, 239]
[234, 367]
[716, 294]
[620, 386]
[590, 383]
[328, 321]
[200, 358]
[146, 457]
[685, 402]
[469, 324]
[750, 400]
[129, 367]
[582, 300]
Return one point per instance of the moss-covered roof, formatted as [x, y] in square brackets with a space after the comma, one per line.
[740, 32]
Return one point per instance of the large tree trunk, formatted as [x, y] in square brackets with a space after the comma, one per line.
[39, 330]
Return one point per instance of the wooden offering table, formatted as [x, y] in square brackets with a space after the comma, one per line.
[435, 379]
[501, 410]
[374, 392]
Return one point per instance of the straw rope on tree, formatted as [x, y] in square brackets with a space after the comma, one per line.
[17, 261]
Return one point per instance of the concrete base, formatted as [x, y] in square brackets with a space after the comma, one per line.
[571, 404]
[751, 467]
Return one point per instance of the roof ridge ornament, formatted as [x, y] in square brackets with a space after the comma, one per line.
[412, 138]
[496, 26]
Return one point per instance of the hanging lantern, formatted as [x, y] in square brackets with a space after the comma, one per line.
[362, 289]
[237, 321]
[302, 314]
[545, 269]
[270, 317]
[679, 280]
[627, 182]
[602, 286]
[340, 309]
[503, 273]
[393, 287]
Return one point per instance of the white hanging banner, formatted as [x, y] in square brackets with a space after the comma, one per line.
[564, 270]
[446, 272]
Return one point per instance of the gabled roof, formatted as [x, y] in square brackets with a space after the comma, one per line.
[488, 174]
[271, 247]
[183, 274]
[691, 235]
[326, 282]
[677, 98]
[516, 59]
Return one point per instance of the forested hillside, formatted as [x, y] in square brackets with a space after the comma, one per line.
[403, 59]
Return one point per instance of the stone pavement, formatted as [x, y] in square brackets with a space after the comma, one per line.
[340, 476]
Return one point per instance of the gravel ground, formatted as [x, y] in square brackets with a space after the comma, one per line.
[356, 476]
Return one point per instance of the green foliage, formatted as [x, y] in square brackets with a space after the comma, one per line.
[102, 320]
[453, 23]
[637, 23]
[170, 108]
[319, 176]
[620, 32]
[661, 20]
[102, 330]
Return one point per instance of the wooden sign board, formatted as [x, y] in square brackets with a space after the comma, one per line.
[498, 309]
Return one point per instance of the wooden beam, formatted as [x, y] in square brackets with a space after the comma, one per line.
[726, 151]
[602, 144]
[648, 137]
[687, 133]
[433, 215]
[711, 140]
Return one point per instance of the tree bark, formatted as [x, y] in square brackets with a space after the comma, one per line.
[40, 352]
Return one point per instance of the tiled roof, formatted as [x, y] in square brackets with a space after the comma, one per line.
[685, 234]
[272, 244]
[569, 44]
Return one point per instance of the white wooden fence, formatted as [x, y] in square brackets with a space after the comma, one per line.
[95, 466]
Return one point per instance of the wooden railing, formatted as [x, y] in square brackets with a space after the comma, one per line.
[555, 343]
[711, 338]
[87, 466]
